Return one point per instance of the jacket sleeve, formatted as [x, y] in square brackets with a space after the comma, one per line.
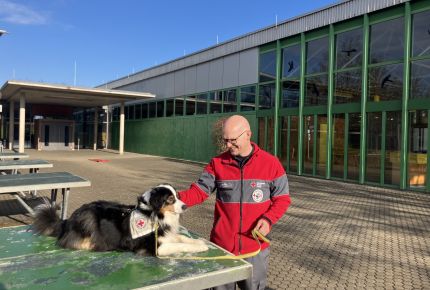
[199, 191]
[280, 196]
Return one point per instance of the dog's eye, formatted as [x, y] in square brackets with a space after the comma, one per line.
[170, 200]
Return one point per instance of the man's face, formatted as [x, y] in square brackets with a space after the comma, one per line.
[236, 141]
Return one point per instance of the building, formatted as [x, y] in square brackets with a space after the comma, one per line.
[340, 93]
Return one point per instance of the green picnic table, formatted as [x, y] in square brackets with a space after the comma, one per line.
[28, 261]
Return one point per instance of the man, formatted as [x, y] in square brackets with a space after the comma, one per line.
[252, 193]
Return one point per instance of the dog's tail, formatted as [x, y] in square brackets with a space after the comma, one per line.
[46, 221]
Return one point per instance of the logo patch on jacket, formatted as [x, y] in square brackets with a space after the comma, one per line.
[257, 184]
[257, 195]
[140, 225]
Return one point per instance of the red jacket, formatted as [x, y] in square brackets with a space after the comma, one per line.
[258, 190]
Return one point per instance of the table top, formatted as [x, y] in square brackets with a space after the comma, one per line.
[28, 261]
[13, 155]
[24, 164]
[40, 181]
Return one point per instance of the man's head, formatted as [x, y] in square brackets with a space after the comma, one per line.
[236, 134]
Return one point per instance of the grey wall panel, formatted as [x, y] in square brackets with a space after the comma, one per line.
[190, 80]
[215, 74]
[166, 86]
[230, 77]
[179, 82]
[202, 78]
[248, 67]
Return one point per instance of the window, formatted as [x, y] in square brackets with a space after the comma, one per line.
[66, 135]
[267, 66]
[291, 61]
[160, 109]
[179, 107]
[386, 83]
[420, 79]
[349, 48]
[145, 110]
[317, 55]
[421, 35]
[46, 135]
[202, 104]
[386, 40]
[230, 101]
[191, 105]
[290, 94]
[267, 96]
[152, 110]
[138, 111]
[347, 87]
[316, 90]
[215, 101]
[247, 98]
[169, 107]
[115, 114]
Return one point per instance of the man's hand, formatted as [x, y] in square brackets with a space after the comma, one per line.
[263, 227]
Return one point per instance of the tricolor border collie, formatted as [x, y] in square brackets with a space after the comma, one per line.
[111, 226]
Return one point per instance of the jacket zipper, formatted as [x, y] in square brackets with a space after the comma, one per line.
[240, 220]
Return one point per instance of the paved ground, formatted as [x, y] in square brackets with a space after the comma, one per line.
[334, 236]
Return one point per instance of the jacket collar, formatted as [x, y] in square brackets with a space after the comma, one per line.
[226, 157]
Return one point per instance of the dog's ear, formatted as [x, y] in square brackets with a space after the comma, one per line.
[143, 200]
[156, 201]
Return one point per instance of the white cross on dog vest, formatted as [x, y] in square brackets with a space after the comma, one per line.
[140, 224]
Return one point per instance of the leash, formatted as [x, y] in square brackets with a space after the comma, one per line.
[255, 234]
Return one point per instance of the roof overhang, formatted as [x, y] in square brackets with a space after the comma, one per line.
[53, 94]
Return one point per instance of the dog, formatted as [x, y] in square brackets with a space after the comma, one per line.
[110, 226]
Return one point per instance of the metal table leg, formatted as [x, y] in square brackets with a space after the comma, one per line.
[65, 192]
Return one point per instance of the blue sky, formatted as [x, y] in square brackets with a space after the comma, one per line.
[111, 39]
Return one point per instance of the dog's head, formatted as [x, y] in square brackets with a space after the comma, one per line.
[161, 199]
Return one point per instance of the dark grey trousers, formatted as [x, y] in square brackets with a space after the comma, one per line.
[258, 281]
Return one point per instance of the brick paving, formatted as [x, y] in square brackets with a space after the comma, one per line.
[334, 236]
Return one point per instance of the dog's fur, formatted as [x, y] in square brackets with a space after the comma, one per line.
[105, 225]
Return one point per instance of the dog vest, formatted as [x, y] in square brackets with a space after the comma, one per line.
[140, 224]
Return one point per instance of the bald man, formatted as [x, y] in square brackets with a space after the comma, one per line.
[251, 193]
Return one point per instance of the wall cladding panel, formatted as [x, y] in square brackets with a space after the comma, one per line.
[230, 76]
[179, 82]
[202, 79]
[190, 80]
[215, 74]
[248, 67]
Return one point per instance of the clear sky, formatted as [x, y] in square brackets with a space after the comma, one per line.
[109, 39]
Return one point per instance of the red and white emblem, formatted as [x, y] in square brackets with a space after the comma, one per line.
[140, 223]
[257, 195]
[253, 184]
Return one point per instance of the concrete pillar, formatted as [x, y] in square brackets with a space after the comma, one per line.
[11, 123]
[121, 129]
[21, 123]
[96, 123]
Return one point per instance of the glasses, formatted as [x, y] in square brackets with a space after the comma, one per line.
[233, 141]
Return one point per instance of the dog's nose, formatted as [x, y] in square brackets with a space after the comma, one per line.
[184, 207]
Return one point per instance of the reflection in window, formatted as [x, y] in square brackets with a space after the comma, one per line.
[294, 142]
[373, 152]
[169, 107]
[160, 109]
[247, 98]
[392, 146]
[347, 87]
[291, 61]
[261, 132]
[290, 94]
[138, 111]
[283, 136]
[349, 48]
[316, 91]
[190, 103]
[387, 40]
[308, 142]
[115, 114]
[230, 101]
[317, 56]
[338, 151]
[267, 96]
[152, 110]
[145, 110]
[321, 150]
[354, 146]
[267, 66]
[386, 83]
[179, 107]
[418, 138]
[202, 104]
[215, 102]
[421, 34]
[131, 112]
[420, 80]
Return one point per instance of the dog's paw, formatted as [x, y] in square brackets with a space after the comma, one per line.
[201, 248]
[199, 242]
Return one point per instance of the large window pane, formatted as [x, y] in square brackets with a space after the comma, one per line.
[308, 142]
[354, 146]
[138, 111]
[270, 134]
[169, 107]
[347, 88]
[418, 136]
[283, 136]
[420, 79]
[179, 107]
[316, 91]
[230, 101]
[349, 48]
[291, 61]
[338, 145]
[373, 156]
[261, 132]
[321, 158]
[386, 83]
[160, 109]
[294, 143]
[267, 96]
[317, 55]
[267, 66]
[386, 40]
[202, 104]
[145, 110]
[392, 148]
[290, 94]
[421, 35]
[247, 98]
[190, 103]
[215, 102]
[152, 110]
